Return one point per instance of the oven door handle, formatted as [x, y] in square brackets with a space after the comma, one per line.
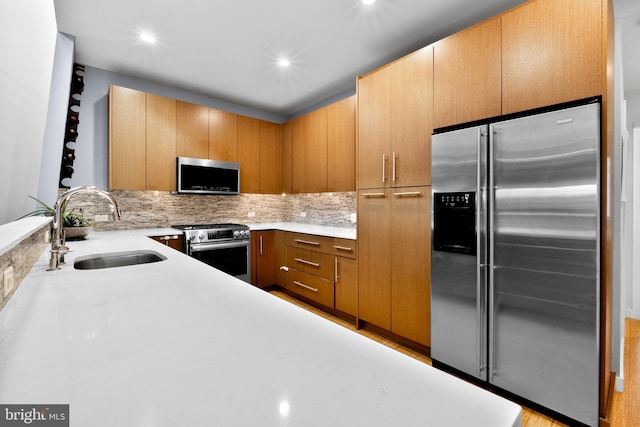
[200, 247]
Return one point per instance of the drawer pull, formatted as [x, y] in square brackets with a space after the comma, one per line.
[307, 242]
[304, 261]
[408, 194]
[342, 248]
[372, 195]
[295, 282]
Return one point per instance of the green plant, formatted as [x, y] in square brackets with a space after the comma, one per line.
[69, 219]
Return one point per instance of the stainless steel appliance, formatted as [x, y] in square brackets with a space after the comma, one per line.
[226, 247]
[203, 176]
[515, 280]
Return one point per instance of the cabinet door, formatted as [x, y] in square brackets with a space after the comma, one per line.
[287, 157]
[411, 119]
[374, 257]
[249, 154]
[374, 128]
[264, 258]
[552, 52]
[280, 244]
[127, 139]
[174, 241]
[310, 152]
[411, 263]
[346, 285]
[223, 135]
[270, 158]
[341, 145]
[192, 130]
[161, 143]
[466, 74]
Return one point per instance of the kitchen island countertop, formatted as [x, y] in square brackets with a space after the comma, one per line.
[178, 343]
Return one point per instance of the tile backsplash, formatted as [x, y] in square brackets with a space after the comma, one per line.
[151, 209]
[19, 260]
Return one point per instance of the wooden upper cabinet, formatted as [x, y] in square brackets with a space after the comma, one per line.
[270, 158]
[466, 75]
[249, 154]
[223, 135]
[310, 152]
[552, 52]
[192, 130]
[412, 119]
[374, 128]
[395, 122]
[127, 139]
[341, 145]
[287, 157]
[161, 143]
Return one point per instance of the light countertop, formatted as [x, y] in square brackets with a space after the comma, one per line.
[321, 230]
[178, 343]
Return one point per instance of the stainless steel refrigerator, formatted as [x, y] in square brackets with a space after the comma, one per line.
[515, 279]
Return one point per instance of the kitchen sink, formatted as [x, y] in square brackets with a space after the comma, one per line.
[117, 259]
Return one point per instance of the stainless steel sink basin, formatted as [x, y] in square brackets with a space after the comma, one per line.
[117, 259]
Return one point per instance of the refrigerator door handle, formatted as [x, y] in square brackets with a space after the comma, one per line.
[481, 271]
[490, 247]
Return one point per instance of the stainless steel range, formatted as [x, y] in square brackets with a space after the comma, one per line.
[226, 247]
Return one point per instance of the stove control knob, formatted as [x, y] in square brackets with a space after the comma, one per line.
[236, 234]
[201, 235]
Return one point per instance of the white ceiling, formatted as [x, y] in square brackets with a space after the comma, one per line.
[228, 49]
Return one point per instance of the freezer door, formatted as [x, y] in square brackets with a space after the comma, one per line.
[458, 282]
[544, 280]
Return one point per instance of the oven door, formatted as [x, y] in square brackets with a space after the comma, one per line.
[233, 258]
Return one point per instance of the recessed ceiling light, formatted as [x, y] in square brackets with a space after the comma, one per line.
[147, 37]
[283, 62]
[368, 2]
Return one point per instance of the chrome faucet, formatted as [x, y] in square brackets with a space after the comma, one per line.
[58, 248]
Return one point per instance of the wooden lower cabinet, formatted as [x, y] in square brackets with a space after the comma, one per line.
[320, 269]
[310, 286]
[394, 266]
[263, 258]
[175, 241]
[346, 285]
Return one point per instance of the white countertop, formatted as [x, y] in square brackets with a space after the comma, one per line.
[298, 227]
[178, 343]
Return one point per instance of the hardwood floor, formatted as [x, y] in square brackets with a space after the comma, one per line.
[626, 406]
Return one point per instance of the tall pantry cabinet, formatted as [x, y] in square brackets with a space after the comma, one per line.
[395, 122]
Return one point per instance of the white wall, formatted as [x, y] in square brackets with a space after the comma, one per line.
[633, 108]
[633, 291]
[27, 44]
[56, 119]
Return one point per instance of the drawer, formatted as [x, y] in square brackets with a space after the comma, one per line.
[311, 242]
[312, 262]
[344, 247]
[313, 287]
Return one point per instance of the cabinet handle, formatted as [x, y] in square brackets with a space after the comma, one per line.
[393, 167]
[342, 248]
[260, 241]
[384, 168]
[304, 261]
[372, 195]
[307, 242]
[408, 194]
[336, 270]
[284, 268]
[295, 282]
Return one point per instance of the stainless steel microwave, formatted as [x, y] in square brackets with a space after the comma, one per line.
[203, 176]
